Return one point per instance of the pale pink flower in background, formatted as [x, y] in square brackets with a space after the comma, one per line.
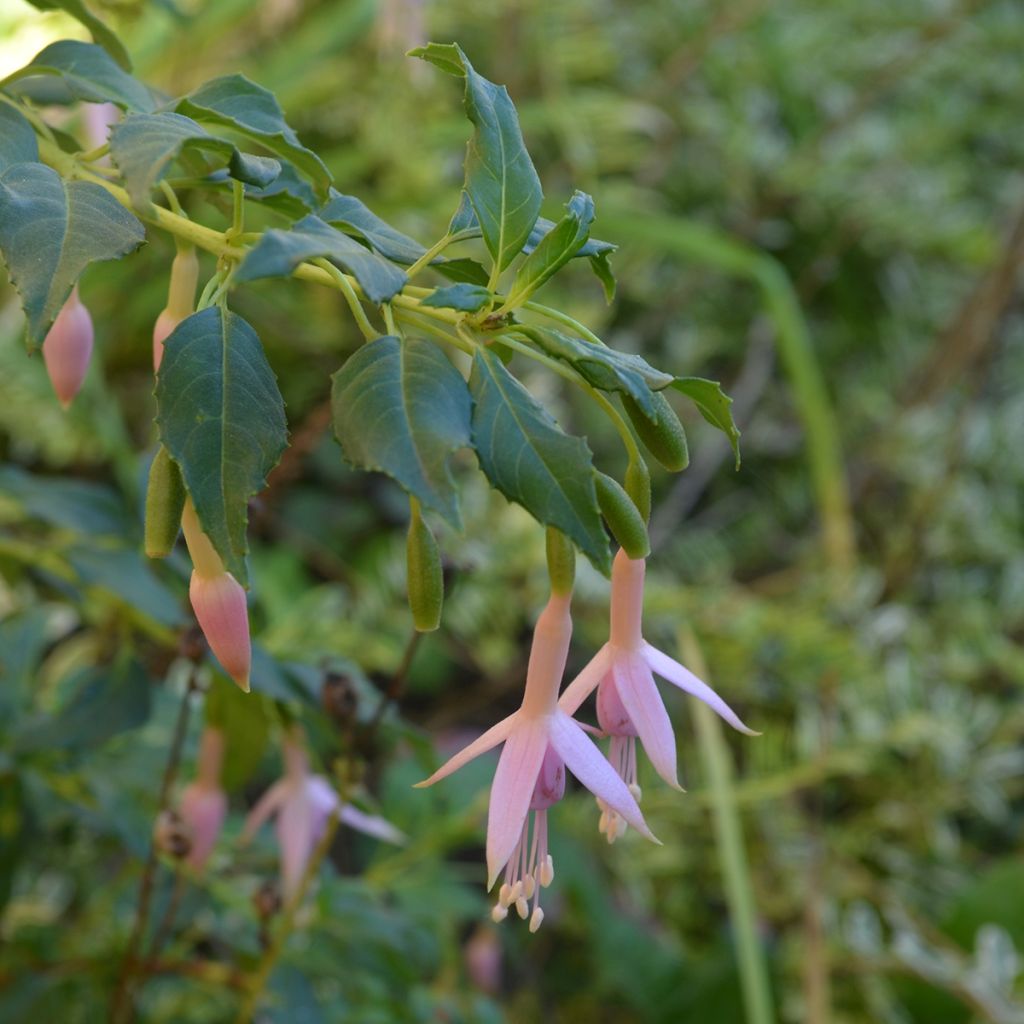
[541, 741]
[218, 601]
[67, 348]
[99, 119]
[304, 803]
[628, 703]
[204, 804]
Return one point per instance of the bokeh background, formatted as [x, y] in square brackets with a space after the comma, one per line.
[820, 205]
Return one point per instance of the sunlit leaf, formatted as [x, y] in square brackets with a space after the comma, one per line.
[714, 405]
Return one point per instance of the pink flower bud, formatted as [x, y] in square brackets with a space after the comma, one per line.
[219, 604]
[165, 323]
[203, 808]
[67, 349]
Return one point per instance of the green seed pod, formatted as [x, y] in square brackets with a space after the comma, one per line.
[622, 516]
[561, 561]
[638, 486]
[165, 498]
[664, 435]
[425, 579]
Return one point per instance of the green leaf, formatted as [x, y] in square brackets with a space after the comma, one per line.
[279, 252]
[221, 417]
[51, 230]
[532, 461]
[245, 719]
[603, 271]
[464, 219]
[143, 146]
[353, 215]
[288, 193]
[100, 32]
[554, 249]
[713, 404]
[465, 270]
[105, 701]
[17, 139]
[593, 249]
[605, 368]
[233, 101]
[89, 74]
[466, 298]
[402, 408]
[501, 181]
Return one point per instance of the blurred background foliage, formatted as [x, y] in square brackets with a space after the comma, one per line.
[846, 173]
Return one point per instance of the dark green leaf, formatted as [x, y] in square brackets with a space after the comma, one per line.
[713, 404]
[593, 249]
[143, 146]
[222, 420]
[463, 269]
[605, 368]
[233, 101]
[77, 505]
[245, 722]
[279, 252]
[532, 461]
[17, 139]
[105, 701]
[99, 31]
[352, 215]
[464, 219]
[402, 408]
[603, 270]
[288, 193]
[467, 298]
[559, 245]
[16, 831]
[51, 230]
[89, 74]
[23, 641]
[501, 181]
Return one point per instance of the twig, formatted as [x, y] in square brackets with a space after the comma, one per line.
[394, 687]
[120, 1007]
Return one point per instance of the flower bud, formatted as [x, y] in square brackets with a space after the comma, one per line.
[165, 499]
[219, 604]
[68, 348]
[664, 435]
[204, 804]
[622, 516]
[425, 579]
[171, 835]
[181, 297]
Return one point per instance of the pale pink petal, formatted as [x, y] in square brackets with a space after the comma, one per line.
[67, 349]
[323, 799]
[671, 670]
[267, 805]
[586, 682]
[203, 808]
[371, 825]
[219, 604]
[490, 739]
[512, 790]
[589, 765]
[639, 695]
[294, 827]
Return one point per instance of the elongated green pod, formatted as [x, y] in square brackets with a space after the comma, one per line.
[165, 498]
[425, 578]
[622, 516]
[561, 557]
[663, 436]
[638, 486]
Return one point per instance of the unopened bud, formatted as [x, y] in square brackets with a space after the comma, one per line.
[203, 808]
[637, 482]
[165, 499]
[219, 604]
[67, 348]
[425, 579]
[663, 435]
[267, 900]
[181, 299]
[171, 835]
[622, 516]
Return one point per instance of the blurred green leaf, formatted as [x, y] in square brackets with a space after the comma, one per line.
[99, 30]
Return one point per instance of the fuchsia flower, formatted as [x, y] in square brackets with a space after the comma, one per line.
[67, 348]
[303, 804]
[628, 703]
[541, 740]
[204, 805]
[218, 601]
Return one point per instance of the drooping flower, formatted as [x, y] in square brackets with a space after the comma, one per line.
[218, 601]
[304, 803]
[629, 705]
[204, 804]
[541, 741]
[67, 348]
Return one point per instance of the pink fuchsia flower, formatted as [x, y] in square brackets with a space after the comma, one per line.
[67, 348]
[204, 804]
[218, 601]
[304, 803]
[541, 741]
[628, 703]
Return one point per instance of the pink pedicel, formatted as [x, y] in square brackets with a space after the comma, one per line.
[204, 804]
[219, 604]
[67, 349]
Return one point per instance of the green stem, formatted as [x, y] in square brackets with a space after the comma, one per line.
[409, 317]
[739, 889]
[436, 249]
[389, 319]
[237, 211]
[567, 321]
[346, 289]
[94, 154]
